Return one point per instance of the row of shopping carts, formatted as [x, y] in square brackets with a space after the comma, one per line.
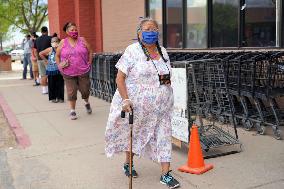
[209, 103]
[240, 88]
[236, 88]
[103, 76]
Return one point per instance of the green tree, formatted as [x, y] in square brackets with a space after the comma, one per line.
[26, 15]
[4, 28]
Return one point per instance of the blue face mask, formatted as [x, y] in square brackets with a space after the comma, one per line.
[150, 37]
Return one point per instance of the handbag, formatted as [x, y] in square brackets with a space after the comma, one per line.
[64, 64]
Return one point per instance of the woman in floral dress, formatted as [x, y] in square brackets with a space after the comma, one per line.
[143, 82]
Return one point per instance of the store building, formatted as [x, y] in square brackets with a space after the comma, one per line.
[110, 25]
[219, 23]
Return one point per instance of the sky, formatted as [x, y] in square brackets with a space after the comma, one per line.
[17, 37]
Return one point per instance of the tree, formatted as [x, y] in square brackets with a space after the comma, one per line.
[27, 15]
[4, 28]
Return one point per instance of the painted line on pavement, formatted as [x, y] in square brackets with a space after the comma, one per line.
[21, 137]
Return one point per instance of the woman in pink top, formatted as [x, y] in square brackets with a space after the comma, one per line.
[74, 58]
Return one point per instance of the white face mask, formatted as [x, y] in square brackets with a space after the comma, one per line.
[54, 44]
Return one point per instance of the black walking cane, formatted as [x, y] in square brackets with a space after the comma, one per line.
[131, 134]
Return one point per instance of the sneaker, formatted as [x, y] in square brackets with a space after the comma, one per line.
[60, 101]
[88, 108]
[44, 90]
[54, 100]
[169, 180]
[73, 116]
[36, 84]
[126, 170]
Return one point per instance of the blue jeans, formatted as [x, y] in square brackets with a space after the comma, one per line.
[27, 61]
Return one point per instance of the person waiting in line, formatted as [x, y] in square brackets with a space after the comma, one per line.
[55, 79]
[74, 58]
[34, 60]
[54, 35]
[27, 45]
[42, 43]
[143, 83]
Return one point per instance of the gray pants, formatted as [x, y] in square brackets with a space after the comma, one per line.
[41, 67]
[27, 61]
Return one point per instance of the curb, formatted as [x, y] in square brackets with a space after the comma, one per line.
[22, 138]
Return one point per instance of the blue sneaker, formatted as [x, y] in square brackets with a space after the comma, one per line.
[169, 180]
[126, 170]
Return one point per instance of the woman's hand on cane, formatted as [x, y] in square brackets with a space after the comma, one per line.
[127, 105]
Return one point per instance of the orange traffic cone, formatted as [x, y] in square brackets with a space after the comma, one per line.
[195, 162]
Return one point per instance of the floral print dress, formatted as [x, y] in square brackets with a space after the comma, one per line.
[152, 108]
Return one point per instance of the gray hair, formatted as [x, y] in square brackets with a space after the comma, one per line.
[142, 22]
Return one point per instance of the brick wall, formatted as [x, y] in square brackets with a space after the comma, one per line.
[5, 63]
[53, 21]
[106, 24]
[60, 12]
[88, 19]
[85, 13]
[119, 23]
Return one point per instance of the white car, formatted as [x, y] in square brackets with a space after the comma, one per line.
[17, 54]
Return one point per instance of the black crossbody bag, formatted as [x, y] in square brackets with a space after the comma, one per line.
[164, 79]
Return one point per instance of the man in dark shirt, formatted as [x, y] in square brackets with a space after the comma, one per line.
[42, 43]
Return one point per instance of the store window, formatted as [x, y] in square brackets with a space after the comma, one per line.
[174, 23]
[155, 12]
[225, 23]
[282, 25]
[260, 23]
[196, 35]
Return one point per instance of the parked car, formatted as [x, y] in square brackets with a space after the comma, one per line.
[17, 54]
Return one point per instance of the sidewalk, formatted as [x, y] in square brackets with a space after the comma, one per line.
[67, 154]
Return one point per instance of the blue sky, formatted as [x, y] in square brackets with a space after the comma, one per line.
[16, 37]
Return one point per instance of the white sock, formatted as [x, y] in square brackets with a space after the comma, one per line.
[37, 80]
[46, 89]
[43, 89]
[72, 110]
[86, 102]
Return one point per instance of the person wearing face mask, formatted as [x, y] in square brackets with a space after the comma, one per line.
[74, 58]
[144, 87]
[55, 79]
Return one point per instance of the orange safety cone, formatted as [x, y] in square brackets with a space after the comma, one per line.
[195, 162]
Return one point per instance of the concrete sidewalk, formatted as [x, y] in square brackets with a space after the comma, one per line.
[67, 154]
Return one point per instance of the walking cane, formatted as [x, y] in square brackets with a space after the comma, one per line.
[131, 134]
